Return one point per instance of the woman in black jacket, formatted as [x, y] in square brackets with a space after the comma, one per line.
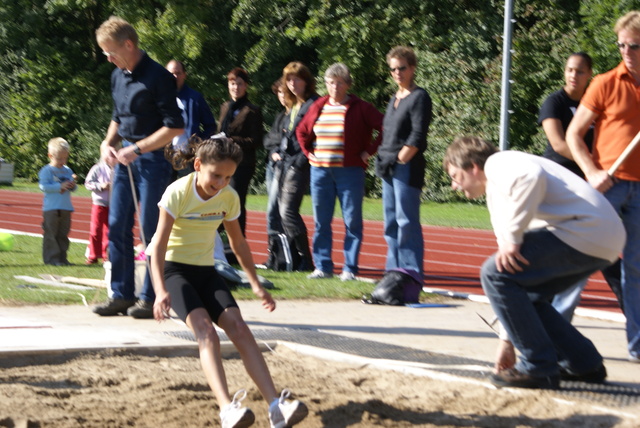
[291, 168]
[242, 122]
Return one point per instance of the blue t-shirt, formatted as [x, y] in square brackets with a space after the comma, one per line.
[50, 180]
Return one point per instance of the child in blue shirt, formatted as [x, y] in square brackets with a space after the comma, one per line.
[56, 180]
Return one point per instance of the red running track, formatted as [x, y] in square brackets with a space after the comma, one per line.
[452, 256]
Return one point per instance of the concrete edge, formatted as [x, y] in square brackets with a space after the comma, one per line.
[15, 358]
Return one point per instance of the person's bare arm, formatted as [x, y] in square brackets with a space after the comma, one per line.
[555, 134]
[108, 147]
[406, 153]
[155, 141]
[505, 356]
[578, 127]
[162, 304]
[243, 253]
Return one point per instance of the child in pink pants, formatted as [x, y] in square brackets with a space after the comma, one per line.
[99, 182]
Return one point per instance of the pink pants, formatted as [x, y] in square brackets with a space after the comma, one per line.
[99, 232]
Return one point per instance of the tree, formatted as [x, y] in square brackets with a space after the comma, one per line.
[47, 81]
[54, 81]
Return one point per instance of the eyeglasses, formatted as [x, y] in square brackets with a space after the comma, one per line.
[108, 54]
[403, 68]
[631, 46]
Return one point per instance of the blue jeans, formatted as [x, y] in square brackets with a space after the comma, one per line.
[268, 173]
[151, 174]
[625, 198]
[402, 229]
[347, 184]
[567, 301]
[545, 339]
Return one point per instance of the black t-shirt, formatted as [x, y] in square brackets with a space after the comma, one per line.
[559, 106]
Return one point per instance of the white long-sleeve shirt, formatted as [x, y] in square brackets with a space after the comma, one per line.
[526, 192]
[99, 176]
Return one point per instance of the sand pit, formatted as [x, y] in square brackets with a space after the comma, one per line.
[143, 391]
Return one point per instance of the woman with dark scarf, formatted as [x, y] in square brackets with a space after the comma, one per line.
[242, 122]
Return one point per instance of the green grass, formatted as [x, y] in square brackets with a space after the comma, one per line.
[26, 259]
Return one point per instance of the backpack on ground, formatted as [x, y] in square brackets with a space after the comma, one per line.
[395, 288]
[280, 258]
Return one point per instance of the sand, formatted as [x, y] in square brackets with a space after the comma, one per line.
[146, 391]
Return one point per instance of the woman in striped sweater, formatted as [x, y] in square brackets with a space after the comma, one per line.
[337, 137]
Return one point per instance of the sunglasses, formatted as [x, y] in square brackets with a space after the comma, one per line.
[403, 68]
[631, 46]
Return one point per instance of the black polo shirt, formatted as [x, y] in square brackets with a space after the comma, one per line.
[144, 100]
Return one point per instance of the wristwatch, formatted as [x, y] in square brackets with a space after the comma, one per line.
[137, 150]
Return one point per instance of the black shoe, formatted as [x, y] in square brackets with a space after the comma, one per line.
[516, 379]
[113, 307]
[594, 376]
[141, 310]
[304, 261]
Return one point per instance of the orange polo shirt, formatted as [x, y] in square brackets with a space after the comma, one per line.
[615, 98]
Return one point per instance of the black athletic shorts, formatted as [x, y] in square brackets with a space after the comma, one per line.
[193, 287]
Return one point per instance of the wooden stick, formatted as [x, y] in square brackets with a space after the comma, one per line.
[623, 156]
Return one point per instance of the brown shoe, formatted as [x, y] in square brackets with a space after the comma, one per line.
[516, 379]
[113, 307]
[141, 310]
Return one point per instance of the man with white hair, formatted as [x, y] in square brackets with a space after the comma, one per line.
[145, 119]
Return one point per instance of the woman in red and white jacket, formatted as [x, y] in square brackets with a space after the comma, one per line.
[337, 136]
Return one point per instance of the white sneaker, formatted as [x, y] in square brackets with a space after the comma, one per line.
[286, 413]
[347, 276]
[633, 358]
[318, 274]
[234, 416]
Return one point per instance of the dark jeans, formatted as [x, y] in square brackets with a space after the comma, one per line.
[56, 225]
[521, 301]
[151, 174]
[293, 183]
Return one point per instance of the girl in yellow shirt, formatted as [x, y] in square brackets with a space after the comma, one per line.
[185, 279]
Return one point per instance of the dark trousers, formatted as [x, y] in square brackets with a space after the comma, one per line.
[240, 182]
[293, 183]
[56, 225]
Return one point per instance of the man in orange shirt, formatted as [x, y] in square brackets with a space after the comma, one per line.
[612, 101]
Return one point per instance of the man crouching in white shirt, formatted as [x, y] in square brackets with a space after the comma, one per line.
[553, 229]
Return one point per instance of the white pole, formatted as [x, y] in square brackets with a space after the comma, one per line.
[506, 75]
[624, 155]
